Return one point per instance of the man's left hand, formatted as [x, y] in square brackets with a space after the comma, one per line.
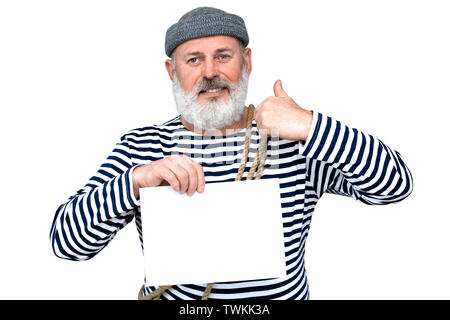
[282, 117]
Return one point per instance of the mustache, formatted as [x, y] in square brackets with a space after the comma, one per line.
[206, 84]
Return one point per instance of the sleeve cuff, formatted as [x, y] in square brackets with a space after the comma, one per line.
[130, 190]
[312, 136]
[327, 139]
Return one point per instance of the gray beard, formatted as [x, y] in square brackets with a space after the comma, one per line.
[216, 113]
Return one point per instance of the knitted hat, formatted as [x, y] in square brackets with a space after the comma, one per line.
[204, 22]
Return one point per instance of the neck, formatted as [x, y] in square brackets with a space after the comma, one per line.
[228, 130]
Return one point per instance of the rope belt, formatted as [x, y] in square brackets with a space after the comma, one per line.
[257, 166]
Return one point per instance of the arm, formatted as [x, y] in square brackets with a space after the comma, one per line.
[86, 223]
[340, 159]
[346, 161]
[90, 219]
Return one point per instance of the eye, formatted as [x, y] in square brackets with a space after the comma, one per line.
[193, 60]
[223, 56]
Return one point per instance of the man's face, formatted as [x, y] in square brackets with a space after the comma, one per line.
[210, 81]
[210, 58]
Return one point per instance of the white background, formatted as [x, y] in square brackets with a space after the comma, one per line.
[76, 75]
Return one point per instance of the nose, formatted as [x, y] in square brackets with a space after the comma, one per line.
[210, 69]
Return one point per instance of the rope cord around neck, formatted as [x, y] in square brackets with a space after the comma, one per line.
[257, 166]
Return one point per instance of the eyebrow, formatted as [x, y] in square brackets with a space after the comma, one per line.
[198, 53]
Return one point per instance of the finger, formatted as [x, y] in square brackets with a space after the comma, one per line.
[182, 176]
[189, 166]
[255, 111]
[170, 177]
[200, 177]
[164, 183]
[258, 109]
[257, 114]
[193, 179]
[278, 89]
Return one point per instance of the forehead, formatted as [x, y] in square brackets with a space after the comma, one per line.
[207, 45]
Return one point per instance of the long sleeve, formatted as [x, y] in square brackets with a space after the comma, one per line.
[86, 223]
[346, 161]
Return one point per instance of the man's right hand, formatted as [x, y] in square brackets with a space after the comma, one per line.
[182, 173]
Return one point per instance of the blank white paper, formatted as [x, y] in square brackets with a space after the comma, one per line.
[231, 232]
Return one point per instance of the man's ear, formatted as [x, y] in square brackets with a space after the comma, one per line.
[248, 59]
[169, 68]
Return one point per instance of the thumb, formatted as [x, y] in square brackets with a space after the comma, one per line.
[278, 89]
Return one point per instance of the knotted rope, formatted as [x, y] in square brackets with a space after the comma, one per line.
[257, 166]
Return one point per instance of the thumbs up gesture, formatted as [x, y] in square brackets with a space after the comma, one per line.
[278, 90]
[282, 117]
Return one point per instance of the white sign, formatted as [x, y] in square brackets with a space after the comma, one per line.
[231, 232]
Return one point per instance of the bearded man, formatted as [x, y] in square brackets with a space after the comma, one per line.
[309, 152]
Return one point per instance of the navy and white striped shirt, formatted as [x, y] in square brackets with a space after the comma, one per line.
[335, 159]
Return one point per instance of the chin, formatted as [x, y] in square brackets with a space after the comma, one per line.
[204, 100]
[210, 100]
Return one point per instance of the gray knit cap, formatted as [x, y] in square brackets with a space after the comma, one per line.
[204, 22]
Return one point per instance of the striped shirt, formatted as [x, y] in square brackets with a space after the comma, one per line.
[335, 159]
